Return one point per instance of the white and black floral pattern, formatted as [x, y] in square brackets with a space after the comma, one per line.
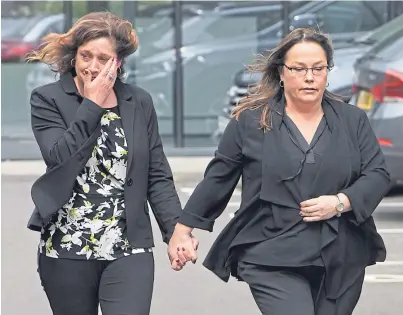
[91, 224]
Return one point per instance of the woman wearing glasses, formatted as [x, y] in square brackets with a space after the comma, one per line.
[312, 175]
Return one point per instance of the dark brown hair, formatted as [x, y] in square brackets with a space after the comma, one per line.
[270, 66]
[58, 50]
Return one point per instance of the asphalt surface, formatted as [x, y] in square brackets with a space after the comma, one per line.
[194, 290]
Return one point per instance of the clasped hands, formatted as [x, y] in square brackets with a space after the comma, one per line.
[182, 247]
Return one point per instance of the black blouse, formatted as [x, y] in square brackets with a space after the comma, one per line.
[300, 244]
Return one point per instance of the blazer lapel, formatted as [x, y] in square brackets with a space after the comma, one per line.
[72, 96]
[127, 111]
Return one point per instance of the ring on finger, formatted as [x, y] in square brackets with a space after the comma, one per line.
[111, 77]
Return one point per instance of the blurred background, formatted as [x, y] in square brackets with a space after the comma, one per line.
[192, 57]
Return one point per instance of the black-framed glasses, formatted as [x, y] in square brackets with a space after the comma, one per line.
[301, 71]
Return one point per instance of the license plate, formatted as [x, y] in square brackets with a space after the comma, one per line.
[365, 100]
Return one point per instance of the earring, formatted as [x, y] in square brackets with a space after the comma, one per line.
[71, 62]
[119, 70]
[281, 83]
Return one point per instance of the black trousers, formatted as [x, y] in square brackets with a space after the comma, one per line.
[76, 287]
[295, 291]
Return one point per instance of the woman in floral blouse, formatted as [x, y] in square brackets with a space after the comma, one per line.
[99, 139]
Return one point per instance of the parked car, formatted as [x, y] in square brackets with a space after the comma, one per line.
[378, 90]
[226, 21]
[151, 25]
[340, 78]
[209, 66]
[21, 35]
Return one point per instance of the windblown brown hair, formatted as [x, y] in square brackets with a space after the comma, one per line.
[58, 50]
[260, 94]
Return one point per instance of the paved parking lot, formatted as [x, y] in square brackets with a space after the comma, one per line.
[194, 290]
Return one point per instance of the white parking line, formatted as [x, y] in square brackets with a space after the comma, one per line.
[390, 231]
[383, 278]
[390, 263]
[390, 204]
[189, 191]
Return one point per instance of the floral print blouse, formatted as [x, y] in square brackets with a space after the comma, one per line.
[91, 225]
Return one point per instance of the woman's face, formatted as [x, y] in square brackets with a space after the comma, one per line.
[302, 85]
[93, 56]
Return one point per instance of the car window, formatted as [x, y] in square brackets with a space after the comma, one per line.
[55, 27]
[351, 16]
[16, 28]
[44, 27]
[375, 14]
[190, 28]
[270, 18]
[386, 30]
[267, 19]
[226, 24]
[294, 5]
[393, 50]
[231, 26]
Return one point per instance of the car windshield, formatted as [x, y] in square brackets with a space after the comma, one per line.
[393, 50]
[224, 25]
[16, 28]
[382, 32]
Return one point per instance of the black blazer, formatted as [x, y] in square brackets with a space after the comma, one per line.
[353, 164]
[66, 127]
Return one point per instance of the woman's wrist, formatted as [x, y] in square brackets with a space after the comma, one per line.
[183, 229]
[346, 202]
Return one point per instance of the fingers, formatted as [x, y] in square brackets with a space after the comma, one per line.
[313, 219]
[87, 76]
[308, 203]
[307, 210]
[186, 254]
[190, 254]
[310, 214]
[181, 249]
[175, 265]
[317, 216]
[113, 70]
[195, 243]
[181, 255]
[108, 65]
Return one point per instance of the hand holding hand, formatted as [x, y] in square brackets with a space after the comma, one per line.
[182, 248]
[318, 209]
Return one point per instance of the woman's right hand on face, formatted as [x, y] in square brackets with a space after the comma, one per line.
[99, 89]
